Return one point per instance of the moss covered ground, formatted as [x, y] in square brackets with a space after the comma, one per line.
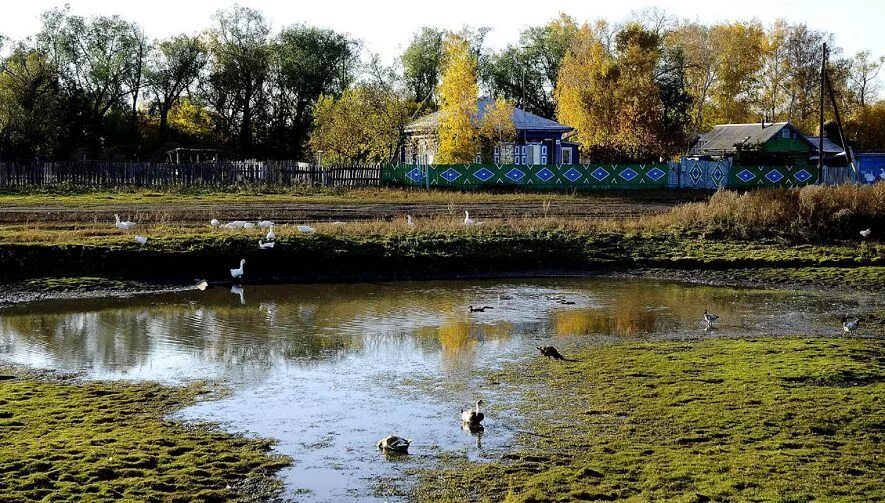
[774, 419]
[68, 440]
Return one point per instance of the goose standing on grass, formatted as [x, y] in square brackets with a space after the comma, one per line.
[236, 224]
[866, 233]
[214, 222]
[850, 326]
[709, 318]
[393, 443]
[264, 224]
[409, 221]
[238, 273]
[140, 240]
[467, 219]
[265, 246]
[473, 416]
[270, 234]
[125, 225]
[306, 229]
[248, 225]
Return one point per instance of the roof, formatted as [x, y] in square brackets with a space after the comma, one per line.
[724, 137]
[522, 120]
[830, 147]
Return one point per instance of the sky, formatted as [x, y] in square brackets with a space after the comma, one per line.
[386, 27]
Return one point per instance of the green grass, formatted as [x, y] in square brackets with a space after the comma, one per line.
[67, 440]
[793, 419]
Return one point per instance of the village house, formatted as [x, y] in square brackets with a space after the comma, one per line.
[538, 141]
[764, 143]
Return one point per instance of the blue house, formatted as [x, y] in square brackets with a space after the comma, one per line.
[538, 141]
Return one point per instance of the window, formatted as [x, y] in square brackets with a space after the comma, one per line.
[543, 154]
[496, 156]
[566, 155]
[516, 154]
[478, 159]
[785, 133]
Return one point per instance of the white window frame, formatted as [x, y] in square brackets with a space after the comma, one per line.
[785, 134]
[562, 154]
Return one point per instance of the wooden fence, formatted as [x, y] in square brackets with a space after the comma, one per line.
[147, 174]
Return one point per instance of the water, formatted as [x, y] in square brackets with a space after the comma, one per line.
[330, 369]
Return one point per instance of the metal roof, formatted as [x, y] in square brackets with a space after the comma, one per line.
[830, 147]
[522, 120]
[724, 137]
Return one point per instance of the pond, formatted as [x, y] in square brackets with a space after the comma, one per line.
[330, 369]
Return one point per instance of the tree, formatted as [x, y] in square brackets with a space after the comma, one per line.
[240, 55]
[733, 98]
[458, 93]
[865, 129]
[173, 66]
[497, 125]
[28, 104]
[862, 78]
[421, 65]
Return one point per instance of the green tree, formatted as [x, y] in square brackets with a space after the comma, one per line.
[173, 66]
[29, 104]
[421, 65]
[458, 93]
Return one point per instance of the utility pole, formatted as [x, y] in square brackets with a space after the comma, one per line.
[820, 138]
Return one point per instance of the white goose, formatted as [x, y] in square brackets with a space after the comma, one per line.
[306, 229]
[850, 326]
[214, 222]
[270, 234]
[409, 221]
[264, 224]
[866, 233]
[248, 225]
[467, 219]
[473, 416]
[236, 224]
[238, 273]
[709, 318]
[140, 240]
[125, 225]
[265, 246]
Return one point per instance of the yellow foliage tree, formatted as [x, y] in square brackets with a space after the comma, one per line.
[497, 124]
[458, 92]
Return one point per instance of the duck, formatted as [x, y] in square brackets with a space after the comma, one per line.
[850, 326]
[393, 443]
[467, 219]
[265, 246]
[270, 234]
[140, 240]
[306, 229]
[710, 318]
[473, 416]
[866, 233]
[264, 224]
[409, 221]
[124, 225]
[238, 273]
[214, 222]
[550, 352]
[235, 224]
[479, 309]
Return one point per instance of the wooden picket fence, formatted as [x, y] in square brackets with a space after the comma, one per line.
[149, 174]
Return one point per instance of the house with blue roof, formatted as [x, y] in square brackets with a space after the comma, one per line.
[538, 141]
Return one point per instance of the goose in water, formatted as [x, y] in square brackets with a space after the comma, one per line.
[214, 222]
[140, 240]
[467, 219]
[473, 416]
[479, 309]
[238, 273]
[850, 326]
[709, 318]
[393, 443]
[202, 284]
[866, 233]
[550, 352]
[238, 290]
[125, 225]
[236, 224]
[306, 229]
[409, 221]
[264, 224]
[270, 234]
[265, 246]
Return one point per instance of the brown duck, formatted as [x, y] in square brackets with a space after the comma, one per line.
[550, 352]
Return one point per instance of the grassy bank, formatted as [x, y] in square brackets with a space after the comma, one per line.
[70, 440]
[793, 419]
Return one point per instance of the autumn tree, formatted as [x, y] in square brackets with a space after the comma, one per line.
[421, 65]
[497, 125]
[173, 66]
[29, 104]
[863, 71]
[458, 93]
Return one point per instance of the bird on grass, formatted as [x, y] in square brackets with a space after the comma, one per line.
[140, 240]
[467, 219]
[850, 326]
[264, 224]
[409, 221]
[123, 225]
[248, 225]
[306, 229]
[235, 224]
[270, 234]
[473, 416]
[479, 309]
[238, 273]
[393, 443]
[866, 233]
[550, 352]
[265, 246]
[709, 318]
[214, 222]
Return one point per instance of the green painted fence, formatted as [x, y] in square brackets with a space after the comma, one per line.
[592, 176]
[772, 176]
